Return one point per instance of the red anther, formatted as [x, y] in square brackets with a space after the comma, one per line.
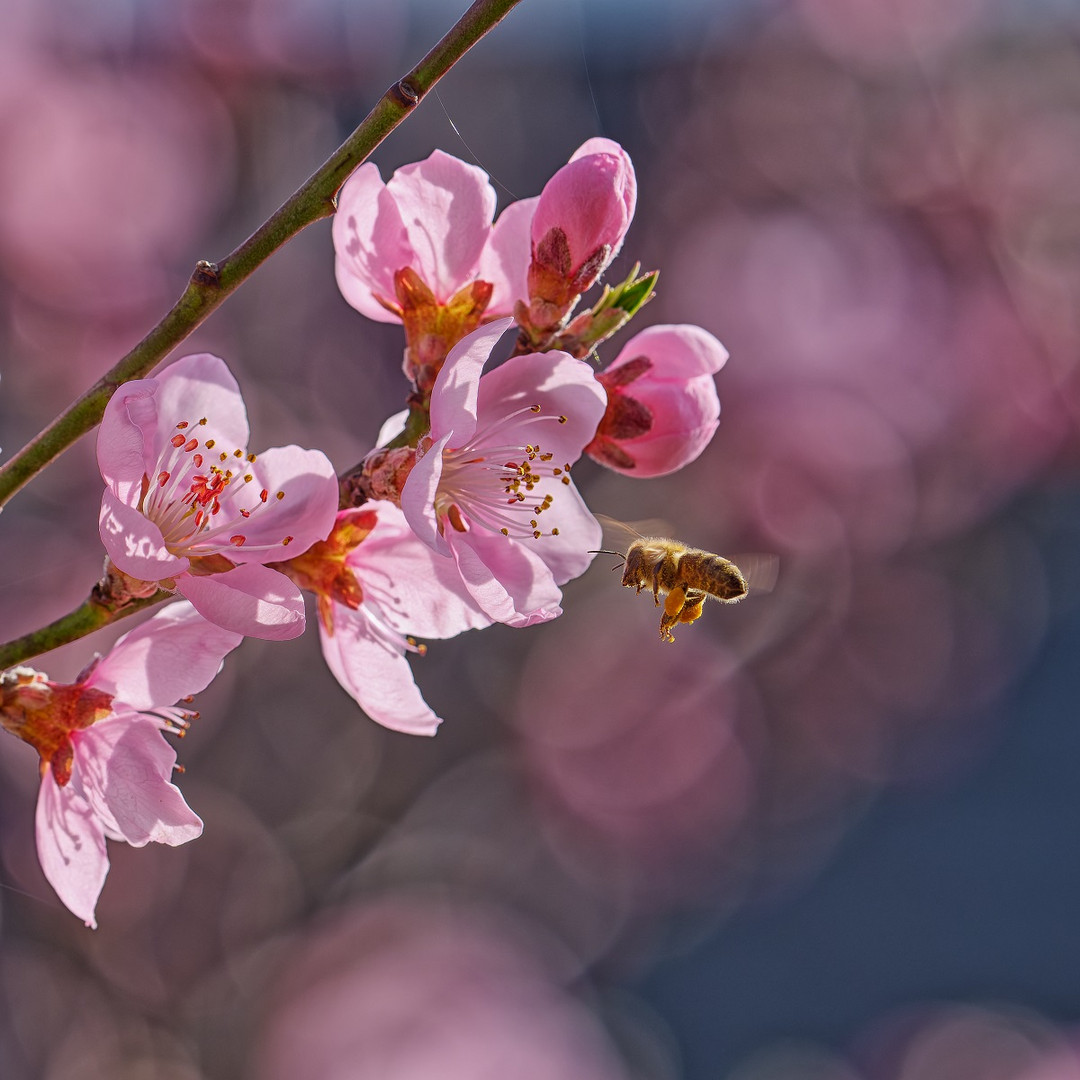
[177, 440]
[198, 461]
[190, 445]
[264, 495]
[238, 540]
[245, 513]
[162, 478]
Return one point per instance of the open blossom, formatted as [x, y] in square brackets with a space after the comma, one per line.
[491, 484]
[105, 768]
[188, 507]
[378, 587]
[578, 226]
[421, 249]
[434, 217]
[662, 406]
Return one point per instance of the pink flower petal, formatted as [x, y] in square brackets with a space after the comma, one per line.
[453, 399]
[556, 382]
[71, 847]
[375, 673]
[600, 145]
[566, 555]
[414, 590]
[306, 511]
[370, 243]
[392, 427]
[511, 584]
[135, 543]
[677, 390]
[505, 259]
[125, 445]
[591, 199]
[677, 352]
[196, 387]
[174, 654]
[447, 206]
[252, 600]
[418, 496]
[125, 768]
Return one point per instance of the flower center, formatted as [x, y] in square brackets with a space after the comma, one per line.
[202, 495]
[496, 482]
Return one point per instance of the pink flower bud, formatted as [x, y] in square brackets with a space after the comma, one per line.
[580, 221]
[662, 406]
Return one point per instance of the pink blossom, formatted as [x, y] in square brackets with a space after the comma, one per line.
[435, 218]
[188, 507]
[378, 586]
[580, 221]
[495, 469]
[105, 770]
[662, 406]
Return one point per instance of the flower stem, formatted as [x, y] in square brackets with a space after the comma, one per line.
[212, 282]
[89, 616]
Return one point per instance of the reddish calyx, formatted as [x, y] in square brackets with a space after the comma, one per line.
[44, 714]
[323, 569]
[432, 328]
[625, 416]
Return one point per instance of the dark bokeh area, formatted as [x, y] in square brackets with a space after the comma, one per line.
[826, 835]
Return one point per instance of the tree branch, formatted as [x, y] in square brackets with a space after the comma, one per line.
[212, 282]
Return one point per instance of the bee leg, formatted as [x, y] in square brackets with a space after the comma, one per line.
[656, 586]
[692, 605]
[674, 603]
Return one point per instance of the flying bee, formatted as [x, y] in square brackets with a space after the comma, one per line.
[686, 577]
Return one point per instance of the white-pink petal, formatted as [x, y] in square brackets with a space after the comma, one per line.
[447, 206]
[71, 847]
[505, 259]
[370, 243]
[197, 386]
[168, 657]
[125, 444]
[373, 670]
[415, 591]
[125, 766]
[510, 584]
[453, 399]
[678, 351]
[556, 382]
[305, 511]
[251, 599]
[567, 555]
[418, 495]
[134, 542]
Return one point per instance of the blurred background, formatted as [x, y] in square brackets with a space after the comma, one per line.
[828, 835]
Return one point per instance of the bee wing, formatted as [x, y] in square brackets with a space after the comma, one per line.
[760, 570]
[621, 534]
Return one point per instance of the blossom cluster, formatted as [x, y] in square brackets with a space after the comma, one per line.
[464, 515]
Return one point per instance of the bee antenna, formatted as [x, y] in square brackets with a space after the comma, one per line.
[604, 551]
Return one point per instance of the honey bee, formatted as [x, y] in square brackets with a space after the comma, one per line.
[686, 577]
